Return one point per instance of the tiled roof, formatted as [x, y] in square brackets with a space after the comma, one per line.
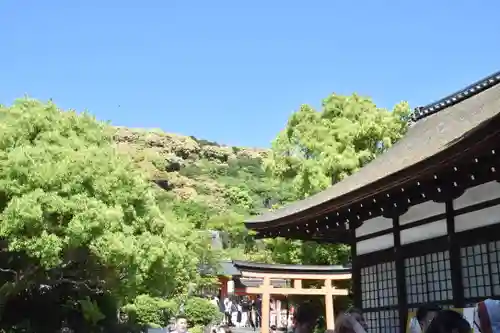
[438, 130]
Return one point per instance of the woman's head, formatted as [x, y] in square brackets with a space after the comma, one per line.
[425, 314]
[305, 318]
[448, 321]
[348, 323]
[357, 314]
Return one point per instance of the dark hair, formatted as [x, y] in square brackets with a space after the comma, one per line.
[180, 317]
[306, 313]
[447, 321]
[423, 310]
[354, 311]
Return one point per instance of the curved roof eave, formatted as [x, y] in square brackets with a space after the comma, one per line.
[434, 135]
[281, 268]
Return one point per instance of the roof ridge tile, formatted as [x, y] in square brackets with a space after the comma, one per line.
[457, 97]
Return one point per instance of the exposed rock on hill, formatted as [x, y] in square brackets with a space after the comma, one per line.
[215, 175]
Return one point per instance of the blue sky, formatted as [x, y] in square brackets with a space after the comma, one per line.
[233, 71]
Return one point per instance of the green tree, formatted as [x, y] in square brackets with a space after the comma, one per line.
[75, 211]
[318, 149]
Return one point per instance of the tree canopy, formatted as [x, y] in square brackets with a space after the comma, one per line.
[318, 149]
[74, 210]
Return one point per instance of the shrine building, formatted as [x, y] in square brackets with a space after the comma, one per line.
[422, 219]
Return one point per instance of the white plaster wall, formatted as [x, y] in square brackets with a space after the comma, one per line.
[374, 225]
[375, 244]
[478, 194]
[422, 211]
[423, 232]
[230, 286]
[477, 219]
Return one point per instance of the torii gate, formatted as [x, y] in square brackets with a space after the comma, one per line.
[295, 273]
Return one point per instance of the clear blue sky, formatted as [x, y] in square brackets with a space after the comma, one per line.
[233, 71]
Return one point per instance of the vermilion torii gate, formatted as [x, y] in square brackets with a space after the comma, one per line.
[295, 274]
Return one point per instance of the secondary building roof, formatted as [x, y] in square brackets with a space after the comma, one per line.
[285, 268]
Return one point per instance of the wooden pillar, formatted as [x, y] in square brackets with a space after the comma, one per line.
[266, 299]
[278, 313]
[287, 311]
[455, 262]
[400, 273]
[330, 314]
[356, 272]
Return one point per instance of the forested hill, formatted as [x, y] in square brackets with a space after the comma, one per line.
[213, 175]
[214, 186]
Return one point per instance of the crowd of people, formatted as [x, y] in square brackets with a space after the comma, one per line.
[431, 319]
[428, 319]
[241, 312]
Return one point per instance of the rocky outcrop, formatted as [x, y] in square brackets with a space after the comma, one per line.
[183, 147]
[180, 164]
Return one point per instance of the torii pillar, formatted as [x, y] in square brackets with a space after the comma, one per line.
[266, 300]
[330, 314]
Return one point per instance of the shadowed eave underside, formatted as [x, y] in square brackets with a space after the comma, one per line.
[282, 268]
[256, 282]
[439, 128]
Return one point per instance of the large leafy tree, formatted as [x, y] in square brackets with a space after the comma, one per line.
[319, 148]
[74, 211]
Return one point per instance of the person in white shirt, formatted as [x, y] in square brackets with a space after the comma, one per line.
[227, 311]
[215, 301]
[234, 313]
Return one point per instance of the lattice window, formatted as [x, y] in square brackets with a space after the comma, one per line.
[494, 257]
[480, 270]
[428, 278]
[372, 321]
[378, 285]
[384, 321]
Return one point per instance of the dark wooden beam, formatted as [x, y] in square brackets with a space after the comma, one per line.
[455, 263]
[400, 273]
[356, 272]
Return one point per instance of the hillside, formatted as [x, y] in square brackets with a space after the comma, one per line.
[218, 186]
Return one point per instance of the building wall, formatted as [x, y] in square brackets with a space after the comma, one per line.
[479, 259]
[444, 253]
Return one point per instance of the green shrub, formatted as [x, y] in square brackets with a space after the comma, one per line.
[238, 196]
[201, 312]
[150, 311]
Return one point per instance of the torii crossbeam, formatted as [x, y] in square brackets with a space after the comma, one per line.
[296, 273]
